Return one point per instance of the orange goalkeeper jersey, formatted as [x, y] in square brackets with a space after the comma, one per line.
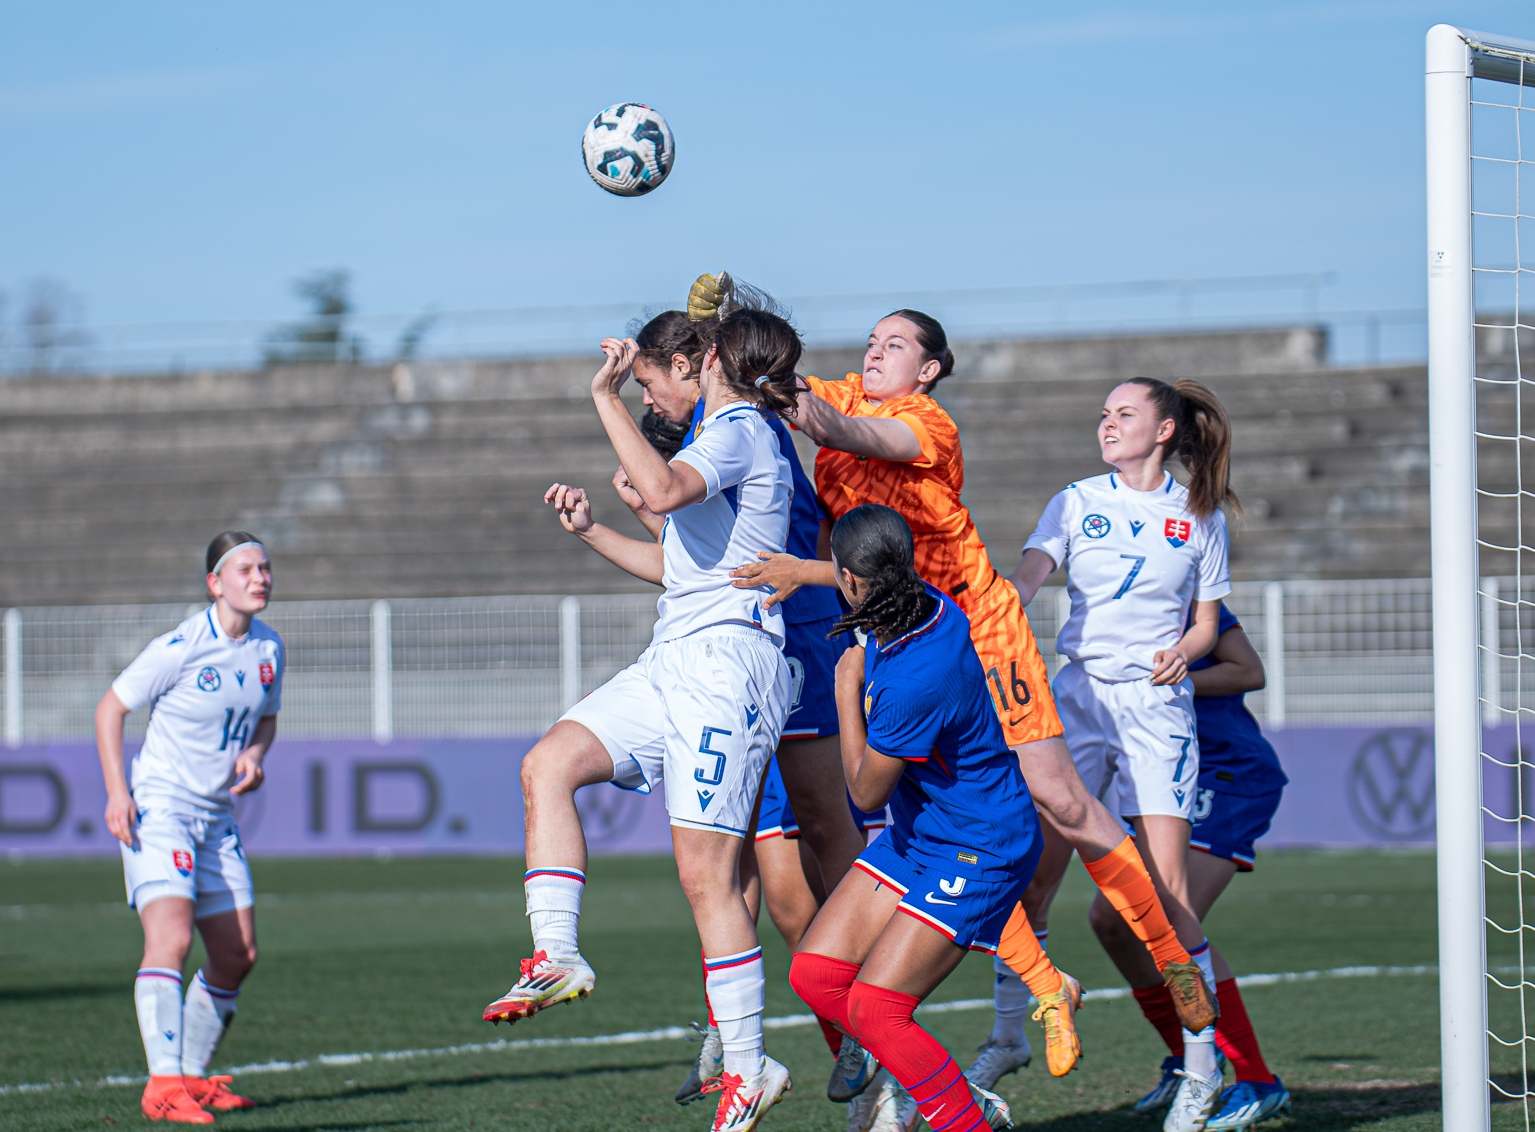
[925, 491]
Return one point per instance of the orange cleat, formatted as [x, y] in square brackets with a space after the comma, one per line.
[166, 1098]
[215, 1093]
[1058, 1013]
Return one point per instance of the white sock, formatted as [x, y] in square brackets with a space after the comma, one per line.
[554, 909]
[736, 986]
[1010, 1000]
[1199, 1052]
[205, 1018]
[157, 996]
[1201, 955]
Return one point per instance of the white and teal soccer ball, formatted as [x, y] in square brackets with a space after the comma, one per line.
[628, 149]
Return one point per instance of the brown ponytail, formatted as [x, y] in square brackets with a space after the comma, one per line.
[1201, 440]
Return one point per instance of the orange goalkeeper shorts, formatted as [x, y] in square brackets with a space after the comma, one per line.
[1015, 672]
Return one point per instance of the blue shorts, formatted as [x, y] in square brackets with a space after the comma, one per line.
[970, 910]
[776, 818]
[812, 670]
[1226, 825]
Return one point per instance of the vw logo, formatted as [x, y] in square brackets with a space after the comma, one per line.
[208, 679]
[1391, 785]
[1095, 526]
[608, 815]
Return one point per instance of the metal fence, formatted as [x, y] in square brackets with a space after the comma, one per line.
[1336, 652]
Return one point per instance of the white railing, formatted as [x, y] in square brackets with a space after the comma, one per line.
[1336, 651]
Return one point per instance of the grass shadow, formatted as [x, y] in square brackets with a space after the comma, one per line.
[44, 994]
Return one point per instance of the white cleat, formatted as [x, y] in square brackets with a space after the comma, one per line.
[883, 1107]
[710, 1063]
[853, 1073]
[1194, 1102]
[545, 982]
[745, 1101]
[996, 1061]
[992, 1107]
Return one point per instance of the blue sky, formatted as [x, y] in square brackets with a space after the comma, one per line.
[188, 161]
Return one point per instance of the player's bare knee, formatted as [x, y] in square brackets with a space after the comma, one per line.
[1107, 924]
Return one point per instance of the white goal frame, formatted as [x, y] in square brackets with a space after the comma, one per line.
[1454, 57]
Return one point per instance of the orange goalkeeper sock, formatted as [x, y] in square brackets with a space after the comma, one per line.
[1021, 951]
[1122, 876]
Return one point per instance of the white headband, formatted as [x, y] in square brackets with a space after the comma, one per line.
[219, 565]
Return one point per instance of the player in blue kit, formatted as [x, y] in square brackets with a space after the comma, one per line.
[1240, 785]
[213, 686]
[919, 731]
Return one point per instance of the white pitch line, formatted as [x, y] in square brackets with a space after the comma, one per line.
[675, 1033]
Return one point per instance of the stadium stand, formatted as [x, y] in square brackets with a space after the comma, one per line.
[425, 479]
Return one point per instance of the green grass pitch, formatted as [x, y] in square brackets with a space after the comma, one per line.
[377, 956]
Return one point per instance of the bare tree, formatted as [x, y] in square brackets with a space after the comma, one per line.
[51, 326]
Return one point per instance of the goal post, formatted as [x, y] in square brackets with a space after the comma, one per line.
[1454, 58]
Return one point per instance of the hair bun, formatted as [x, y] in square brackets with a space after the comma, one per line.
[707, 295]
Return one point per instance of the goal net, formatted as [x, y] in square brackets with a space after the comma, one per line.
[1480, 120]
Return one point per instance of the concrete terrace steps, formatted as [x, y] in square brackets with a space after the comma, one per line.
[427, 479]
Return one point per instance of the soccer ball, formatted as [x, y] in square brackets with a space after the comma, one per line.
[628, 149]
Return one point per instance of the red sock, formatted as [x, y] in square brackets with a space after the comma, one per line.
[709, 1006]
[1157, 1005]
[882, 1020]
[823, 982]
[1234, 1034]
[830, 1032]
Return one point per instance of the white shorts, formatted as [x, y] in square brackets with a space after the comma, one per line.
[179, 854]
[1135, 744]
[700, 714]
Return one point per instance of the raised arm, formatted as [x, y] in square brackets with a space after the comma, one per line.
[1032, 571]
[880, 437]
[664, 487]
[642, 559]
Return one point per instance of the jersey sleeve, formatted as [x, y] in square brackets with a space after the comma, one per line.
[936, 431]
[1052, 534]
[274, 698]
[904, 720]
[152, 673]
[723, 454]
[1214, 569]
[840, 395]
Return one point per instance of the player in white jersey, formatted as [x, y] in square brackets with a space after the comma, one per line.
[700, 712]
[213, 686]
[1140, 551]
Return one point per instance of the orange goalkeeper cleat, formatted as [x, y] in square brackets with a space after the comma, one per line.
[166, 1098]
[1058, 1014]
[215, 1093]
[1193, 999]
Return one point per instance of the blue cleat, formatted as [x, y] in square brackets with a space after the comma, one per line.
[1248, 1103]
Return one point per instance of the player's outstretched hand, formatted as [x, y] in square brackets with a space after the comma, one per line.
[615, 367]
[249, 772]
[780, 572]
[119, 818]
[1168, 667]
[572, 506]
[632, 499]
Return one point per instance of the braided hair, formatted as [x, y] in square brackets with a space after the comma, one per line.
[873, 543]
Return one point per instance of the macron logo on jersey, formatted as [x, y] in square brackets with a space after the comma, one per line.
[1177, 532]
[1135, 527]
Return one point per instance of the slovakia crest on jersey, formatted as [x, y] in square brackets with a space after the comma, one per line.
[268, 674]
[1177, 532]
[183, 861]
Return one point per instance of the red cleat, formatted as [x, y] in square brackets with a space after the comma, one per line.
[215, 1093]
[166, 1098]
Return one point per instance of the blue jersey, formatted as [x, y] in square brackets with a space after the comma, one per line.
[927, 702]
[1234, 757]
[811, 603]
